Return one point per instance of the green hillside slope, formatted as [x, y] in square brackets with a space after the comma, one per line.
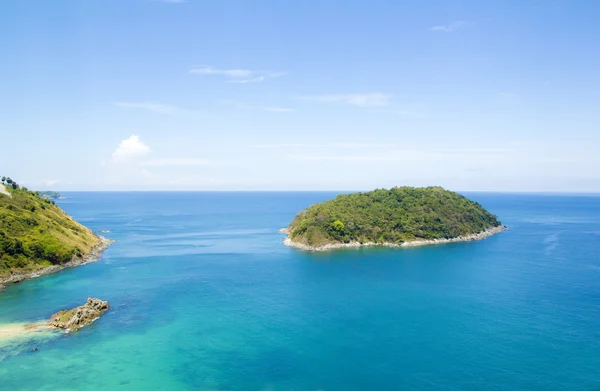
[35, 233]
[390, 216]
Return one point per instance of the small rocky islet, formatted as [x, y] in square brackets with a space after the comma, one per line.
[79, 317]
[67, 320]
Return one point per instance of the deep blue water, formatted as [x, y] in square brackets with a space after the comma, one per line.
[206, 297]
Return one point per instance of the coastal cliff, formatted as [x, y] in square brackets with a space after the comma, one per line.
[399, 217]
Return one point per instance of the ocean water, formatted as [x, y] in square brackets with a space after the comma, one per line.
[206, 297]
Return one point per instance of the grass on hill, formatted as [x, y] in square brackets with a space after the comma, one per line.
[35, 233]
[394, 216]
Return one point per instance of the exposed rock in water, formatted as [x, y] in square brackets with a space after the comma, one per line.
[80, 316]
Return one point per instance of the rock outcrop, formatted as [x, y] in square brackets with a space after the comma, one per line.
[79, 317]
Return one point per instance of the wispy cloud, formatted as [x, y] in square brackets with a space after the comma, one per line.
[323, 145]
[448, 28]
[240, 76]
[272, 109]
[244, 106]
[233, 73]
[49, 182]
[275, 109]
[464, 151]
[371, 99]
[178, 161]
[398, 154]
[154, 107]
[404, 112]
[358, 158]
[398, 147]
[258, 79]
[130, 148]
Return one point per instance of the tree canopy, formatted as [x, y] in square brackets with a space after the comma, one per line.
[396, 215]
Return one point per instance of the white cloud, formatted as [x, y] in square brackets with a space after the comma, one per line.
[448, 28]
[233, 73]
[49, 182]
[272, 109]
[180, 161]
[404, 112]
[358, 158]
[130, 148]
[397, 154]
[276, 109]
[372, 99]
[155, 107]
[145, 174]
[244, 106]
[475, 150]
[133, 152]
[253, 80]
[362, 145]
[323, 145]
[241, 76]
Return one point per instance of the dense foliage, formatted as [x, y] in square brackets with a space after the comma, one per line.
[34, 232]
[394, 216]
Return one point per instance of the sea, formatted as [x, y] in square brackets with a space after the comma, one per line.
[205, 296]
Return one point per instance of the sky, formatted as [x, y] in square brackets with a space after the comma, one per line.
[300, 95]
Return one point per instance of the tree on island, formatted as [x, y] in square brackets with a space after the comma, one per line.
[397, 215]
[3, 179]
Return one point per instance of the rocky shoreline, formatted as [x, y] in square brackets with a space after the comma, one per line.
[92, 256]
[334, 246]
[79, 317]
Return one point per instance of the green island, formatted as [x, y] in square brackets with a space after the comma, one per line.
[37, 237]
[401, 216]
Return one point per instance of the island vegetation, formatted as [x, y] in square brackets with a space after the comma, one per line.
[36, 235]
[397, 216]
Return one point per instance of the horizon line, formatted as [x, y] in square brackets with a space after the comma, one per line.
[540, 192]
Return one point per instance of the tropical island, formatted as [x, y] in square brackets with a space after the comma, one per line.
[37, 237]
[398, 217]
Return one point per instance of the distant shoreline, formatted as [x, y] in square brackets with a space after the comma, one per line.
[92, 256]
[413, 243]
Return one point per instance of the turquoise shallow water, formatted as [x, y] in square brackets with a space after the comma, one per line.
[205, 297]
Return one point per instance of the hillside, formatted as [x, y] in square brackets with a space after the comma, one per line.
[396, 216]
[36, 234]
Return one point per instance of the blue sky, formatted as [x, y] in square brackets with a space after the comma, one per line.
[300, 95]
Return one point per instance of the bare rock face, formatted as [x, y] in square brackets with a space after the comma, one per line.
[80, 316]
